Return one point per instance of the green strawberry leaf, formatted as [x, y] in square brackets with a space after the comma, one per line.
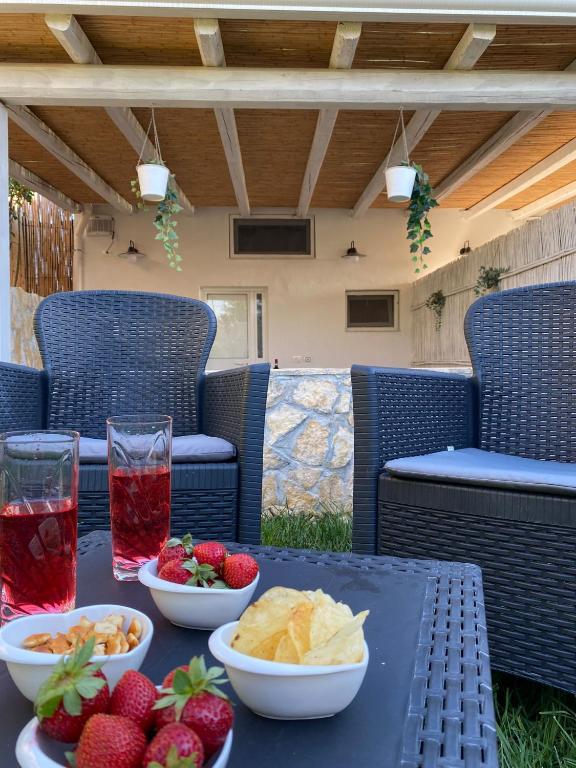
[166, 701]
[89, 687]
[181, 683]
[72, 702]
[71, 757]
[82, 655]
[47, 705]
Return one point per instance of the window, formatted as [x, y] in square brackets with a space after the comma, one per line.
[372, 310]
[241, 334]
[268, 237]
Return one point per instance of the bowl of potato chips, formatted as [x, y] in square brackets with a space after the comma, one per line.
[32, 645]
[294, 655]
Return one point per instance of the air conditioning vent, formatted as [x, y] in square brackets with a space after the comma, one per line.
[271, 237]
[100, 226]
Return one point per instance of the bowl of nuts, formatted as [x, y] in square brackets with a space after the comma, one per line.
[32, 645]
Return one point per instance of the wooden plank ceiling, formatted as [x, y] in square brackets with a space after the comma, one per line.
[275, 144]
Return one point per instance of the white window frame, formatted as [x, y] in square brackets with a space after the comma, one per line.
[251, 292]
[374, 292]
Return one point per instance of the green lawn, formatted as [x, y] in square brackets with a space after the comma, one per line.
[536, 724]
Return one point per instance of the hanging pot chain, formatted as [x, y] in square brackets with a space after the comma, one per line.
[152, 125]
[399, 124]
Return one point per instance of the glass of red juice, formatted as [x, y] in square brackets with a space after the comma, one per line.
[38, 522]
[139, 467]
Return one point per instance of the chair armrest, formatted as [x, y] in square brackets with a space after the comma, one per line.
[22, 397]
[234, 407]
[403, 412]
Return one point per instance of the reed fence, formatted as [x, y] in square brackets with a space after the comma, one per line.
[541, 251]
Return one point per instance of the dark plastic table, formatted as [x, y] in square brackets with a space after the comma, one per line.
[426, 701]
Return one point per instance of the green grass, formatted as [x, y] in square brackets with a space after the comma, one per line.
[536, 724]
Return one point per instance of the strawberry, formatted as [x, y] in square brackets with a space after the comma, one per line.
[195, 700]
[239, 571]
[174, 746]
[175, 549]
[109, 740]
[75, 691]
[134, 697]
[210, 553]
[192, 574]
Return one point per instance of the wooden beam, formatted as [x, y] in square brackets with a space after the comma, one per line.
[540, 206]
[5, 318]
[266, 88]
[546, 167]
[73, 39]
[343, 50]
[472, 45]
[46, 137]
[410, 11]
[503, 139]
[209, 42]
[36, 184]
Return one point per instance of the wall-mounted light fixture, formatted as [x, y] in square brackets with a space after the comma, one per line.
[352, 254]
[132, 254]
[465, 248]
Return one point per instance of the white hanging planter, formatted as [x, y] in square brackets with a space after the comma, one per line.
[153, 181]
[400, 181]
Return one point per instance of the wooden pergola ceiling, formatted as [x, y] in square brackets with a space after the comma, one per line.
[266, 166]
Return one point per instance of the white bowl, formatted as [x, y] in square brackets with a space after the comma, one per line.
[35, 750]
[29, 669]
[287, 691]
[195, 607]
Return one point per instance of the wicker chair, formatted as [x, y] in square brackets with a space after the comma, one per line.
[114, 352]
[521, 402]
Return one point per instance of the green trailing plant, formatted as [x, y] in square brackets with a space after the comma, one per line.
[18, 194]
[165, 221]
[418, 226]
[489, 279]
[435, 303]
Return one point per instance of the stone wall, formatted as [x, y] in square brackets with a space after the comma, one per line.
[309, 438]
[24, 348]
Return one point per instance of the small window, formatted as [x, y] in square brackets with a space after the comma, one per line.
[268, 237]
[372, 310]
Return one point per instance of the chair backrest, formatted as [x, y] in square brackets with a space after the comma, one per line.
[523, 348]
[121, 352]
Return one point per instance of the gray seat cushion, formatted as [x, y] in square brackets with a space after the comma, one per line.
[472, 466]
[185, 449]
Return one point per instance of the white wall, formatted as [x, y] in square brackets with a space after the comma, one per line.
[306, 299]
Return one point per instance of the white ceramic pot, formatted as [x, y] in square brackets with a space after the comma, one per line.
[35, 750]
[287, 691]
[30, 669]
[153, 181]
[400, 183]
[195, 607]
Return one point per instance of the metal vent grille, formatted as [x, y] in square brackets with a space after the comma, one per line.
[100, 226]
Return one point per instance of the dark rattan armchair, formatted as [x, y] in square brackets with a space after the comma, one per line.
[520, 402]
[115, 352]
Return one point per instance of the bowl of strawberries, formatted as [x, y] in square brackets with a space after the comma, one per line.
[79, 722]
[200, 586]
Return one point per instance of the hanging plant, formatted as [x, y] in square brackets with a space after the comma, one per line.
[155, 184]
[489, 279]
[408, 183]
[418, 225]
[18, 194]
[435, 303]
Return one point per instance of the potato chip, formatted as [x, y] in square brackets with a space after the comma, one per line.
[299, 628]
[345, 647]
[267, 648]
[286, 651]
[294, 627]
[266, 617]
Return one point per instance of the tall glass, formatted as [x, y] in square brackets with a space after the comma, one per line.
[38, 522]
[139, 464]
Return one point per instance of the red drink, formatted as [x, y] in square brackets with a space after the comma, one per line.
[140, 516]
[38, 557]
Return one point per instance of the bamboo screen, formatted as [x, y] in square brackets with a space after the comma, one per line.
[42, 248]
[542, 251]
